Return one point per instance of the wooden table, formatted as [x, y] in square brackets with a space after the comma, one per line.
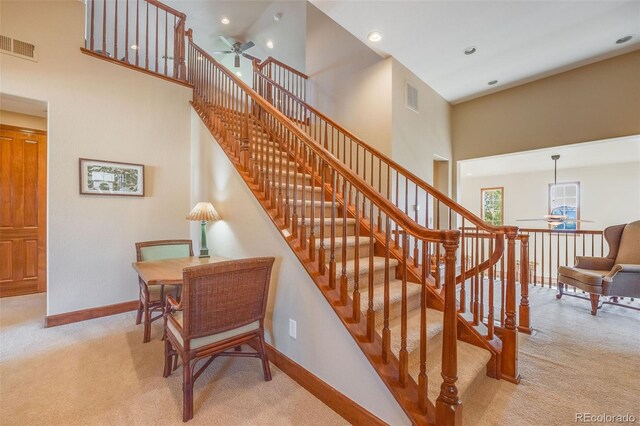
[169, 271]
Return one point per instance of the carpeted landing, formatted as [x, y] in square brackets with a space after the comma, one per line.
[99, 372]
[572, 363]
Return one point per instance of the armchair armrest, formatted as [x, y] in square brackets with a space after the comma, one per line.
[172, 305]
[594, 263]
[626, 267]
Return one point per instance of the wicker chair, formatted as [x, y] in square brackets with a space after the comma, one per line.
[152, 298]
[223, 306]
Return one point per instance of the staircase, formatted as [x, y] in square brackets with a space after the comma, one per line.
[428, 294]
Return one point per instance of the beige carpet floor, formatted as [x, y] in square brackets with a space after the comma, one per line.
[573, 363]
[98, 372]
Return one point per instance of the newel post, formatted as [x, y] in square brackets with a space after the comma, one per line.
[524, 323]
[448, 405]
[509, 335]
[180, 69]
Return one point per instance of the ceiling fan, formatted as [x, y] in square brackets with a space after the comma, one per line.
[237, 48]
[559, 215]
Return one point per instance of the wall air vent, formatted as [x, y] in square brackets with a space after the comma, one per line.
[18, 48]
[411, 99]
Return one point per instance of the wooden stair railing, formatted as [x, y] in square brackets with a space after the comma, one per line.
[413, 195]
[321, 207]
[290, 79]
[142, 34]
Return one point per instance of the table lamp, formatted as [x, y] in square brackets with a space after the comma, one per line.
[203, 212]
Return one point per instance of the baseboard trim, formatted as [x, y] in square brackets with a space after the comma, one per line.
[341, 404]
[91, 313]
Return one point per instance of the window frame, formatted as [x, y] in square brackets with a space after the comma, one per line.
[578, 195]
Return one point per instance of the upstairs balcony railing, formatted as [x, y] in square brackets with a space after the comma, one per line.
[144, 34]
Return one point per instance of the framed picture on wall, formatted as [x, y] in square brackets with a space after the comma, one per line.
[492, 205]
[99, 177]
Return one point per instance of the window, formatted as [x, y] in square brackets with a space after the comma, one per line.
[564, 199]
[492, 205]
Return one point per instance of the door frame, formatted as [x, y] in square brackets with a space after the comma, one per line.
[42, 201]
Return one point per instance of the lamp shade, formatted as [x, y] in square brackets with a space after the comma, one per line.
[203, 211]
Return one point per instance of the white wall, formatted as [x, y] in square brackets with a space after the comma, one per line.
[419, 137]
[103, 111]
[349, 82]
[323, 346]
[609, 194]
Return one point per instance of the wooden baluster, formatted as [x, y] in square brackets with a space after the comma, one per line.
[137, 32]
[404, 354]
[379, 185]
[448, 405]
[115, 30]
[463, 257]
[93, 24]
[332, 258]
[509, 335]
[371, 314]
[523, 311]
[502, 286]
[323, 195]
[481, 279]
[344, 280]
[303, 221]
[416, 255]
[476, 284]
[490, 316]
[104, 28]
[356, 263]
[146, 49]
[287, 206]
[166, 41]
[312, 221]
[157, 13]
[437, 268]
[423, 380]
[386, 332]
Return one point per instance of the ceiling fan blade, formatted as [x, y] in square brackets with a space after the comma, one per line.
[251, 58]
[226, 41]
[236, 61]
[247, 45]
[222, 51]
[531, 220]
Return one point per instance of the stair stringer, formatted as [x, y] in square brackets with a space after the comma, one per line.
[406, 396]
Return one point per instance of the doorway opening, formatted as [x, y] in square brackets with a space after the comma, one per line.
[23, 191]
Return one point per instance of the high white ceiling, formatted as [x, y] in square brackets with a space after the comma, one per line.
[590, 154]
[249, 20]
[517, 41]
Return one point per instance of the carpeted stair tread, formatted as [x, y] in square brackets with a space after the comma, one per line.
[395, 294]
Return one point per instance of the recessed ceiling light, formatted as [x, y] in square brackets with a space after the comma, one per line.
[225, 20]
[374, 36]
[492, 82]
[469, 174]
[623, 39]
[238, 73]
[134, 46]
[470, 50]
[270, 44]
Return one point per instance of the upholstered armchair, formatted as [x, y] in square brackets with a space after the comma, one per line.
[617, 275]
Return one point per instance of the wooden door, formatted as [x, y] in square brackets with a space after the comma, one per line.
[23, 211]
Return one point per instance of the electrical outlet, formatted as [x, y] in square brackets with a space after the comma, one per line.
[293, 329]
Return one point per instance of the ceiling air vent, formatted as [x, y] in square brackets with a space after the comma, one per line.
[18, 48]
[411, 98]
